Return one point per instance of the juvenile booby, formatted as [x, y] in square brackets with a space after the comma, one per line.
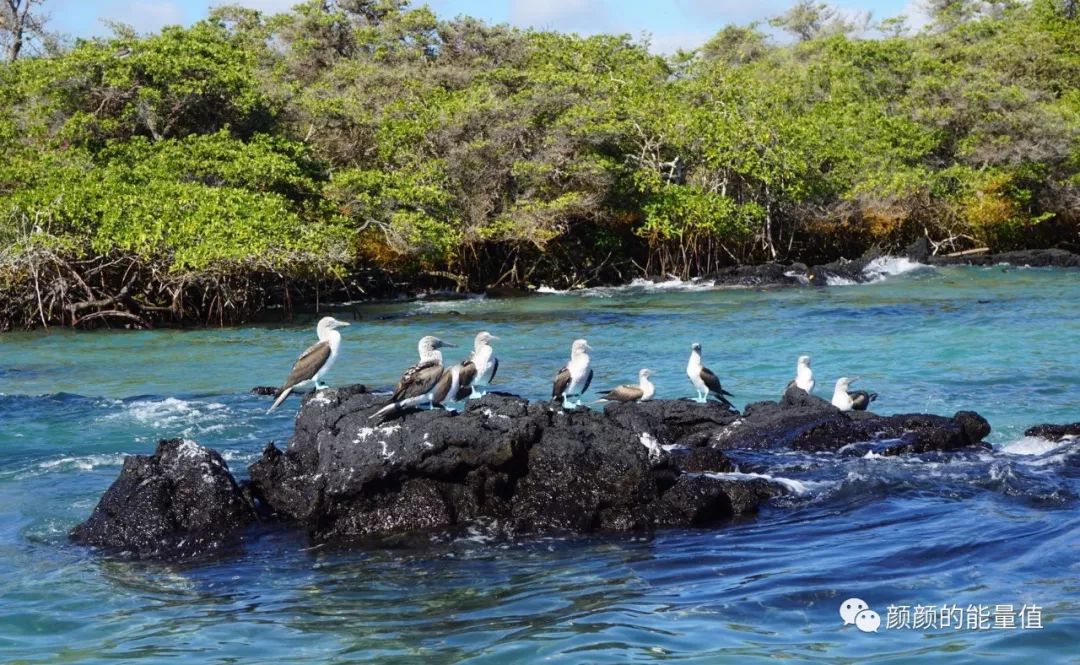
[804, 376]
[574, 378]
[309, 368]
[417, 385]
[705, 382]
[845, 400]
[628, 392]
[485, 363]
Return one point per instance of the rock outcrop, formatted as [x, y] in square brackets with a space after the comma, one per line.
[1054, 432]
[181, 501]
[504, 463]
[805, 422]
[519, 466]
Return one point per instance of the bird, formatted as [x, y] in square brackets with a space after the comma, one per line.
[574, 378]
[483, 358]
[417, 384]
[313, 363]
[455, 383]
[642, 392]
[804, 376]
[845, 400]
[705, 382]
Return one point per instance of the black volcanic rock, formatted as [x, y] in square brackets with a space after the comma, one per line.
[179, 502]
[805, 422]
[503, 462]
[1036, 258]
[764, 274]
[1054, 432]
[525, 466]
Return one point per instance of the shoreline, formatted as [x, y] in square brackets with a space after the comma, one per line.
[385, 289]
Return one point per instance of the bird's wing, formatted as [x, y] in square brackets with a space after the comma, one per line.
[466, 376]
[588, 381]
[625, 393]
[712, 382]
[307, 364]
[442, 386]
[417, 380]
[790, 385]
[494, 368]
[562, 381]
[860, 399]
[467, 373]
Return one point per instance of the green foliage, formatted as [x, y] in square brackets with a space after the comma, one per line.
[352, 133]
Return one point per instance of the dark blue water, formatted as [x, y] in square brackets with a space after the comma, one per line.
[988, 528]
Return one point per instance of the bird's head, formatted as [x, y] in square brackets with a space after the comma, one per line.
[483, 339]
[330, 323]
[696, 346]
[843, 382]
[804, 361]
[580, 346]
[644, 373]
[430, 343]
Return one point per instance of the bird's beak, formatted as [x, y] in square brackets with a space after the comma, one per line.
[852, 380]
[588, 348]
[493, 337]
[441, 343]
[342, 323]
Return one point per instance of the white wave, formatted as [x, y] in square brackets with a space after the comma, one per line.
[800, 487]
[82, 462]
[637, 285]
[800, 277]
[182, 417]
[887, 266]
[879, 269]
[1033, 445]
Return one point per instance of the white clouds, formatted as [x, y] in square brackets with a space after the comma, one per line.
[918, 15]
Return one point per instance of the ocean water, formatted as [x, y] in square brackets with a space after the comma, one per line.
[998, 529]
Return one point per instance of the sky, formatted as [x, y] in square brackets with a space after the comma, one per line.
[671, 24]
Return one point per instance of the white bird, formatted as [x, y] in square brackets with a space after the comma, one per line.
[417, 385]
[857, 400]
[642, 392]
[705, 381]
[804, 376]
[483, 358]
[313, 363]
[574, 378]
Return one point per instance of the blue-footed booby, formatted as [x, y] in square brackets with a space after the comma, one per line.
[485, 362]
[417, 385]
[705, 382]
[628, 392]
[574, 378]
[846, 400]
[317, 360]
[804, 376]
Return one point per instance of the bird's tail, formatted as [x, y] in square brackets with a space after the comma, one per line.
[723, 400]
[724, 392]
[389, 411]
[871, 397]
[280, 398]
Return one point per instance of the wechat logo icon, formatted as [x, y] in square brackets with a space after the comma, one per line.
[856, 611]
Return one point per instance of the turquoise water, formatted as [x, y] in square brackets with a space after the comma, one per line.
[990, 528]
